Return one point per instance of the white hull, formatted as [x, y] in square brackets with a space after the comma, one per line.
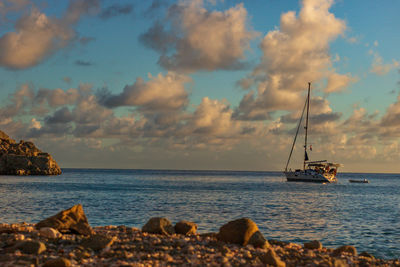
[310, 176]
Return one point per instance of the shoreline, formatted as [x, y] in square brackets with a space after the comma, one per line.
[129, 246]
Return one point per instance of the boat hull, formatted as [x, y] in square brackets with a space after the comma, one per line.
[310, 177]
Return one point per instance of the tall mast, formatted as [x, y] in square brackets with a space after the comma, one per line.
[306, 127]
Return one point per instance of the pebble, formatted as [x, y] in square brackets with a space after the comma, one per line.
[131, 247]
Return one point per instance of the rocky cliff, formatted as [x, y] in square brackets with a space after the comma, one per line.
[24, 158]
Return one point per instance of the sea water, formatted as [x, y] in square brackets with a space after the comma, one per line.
[366, 216]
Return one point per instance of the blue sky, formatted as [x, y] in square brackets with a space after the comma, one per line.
[197, 84]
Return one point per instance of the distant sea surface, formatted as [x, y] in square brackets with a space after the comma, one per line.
[364, 215]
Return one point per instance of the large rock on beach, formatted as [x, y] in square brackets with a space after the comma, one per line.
[345, 249]
[185, 228]
[271, 259]
[159, 225]
[30, 247]
[71, 220]
[49, 232]
[243, 232]
[315, 244]
[97, 242]
[58, 262]
[24, 158]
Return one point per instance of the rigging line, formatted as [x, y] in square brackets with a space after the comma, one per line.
[305, 139]
[295, 137]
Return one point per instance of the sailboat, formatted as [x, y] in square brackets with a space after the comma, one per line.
[320, 171]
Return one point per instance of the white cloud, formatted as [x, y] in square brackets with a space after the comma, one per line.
[37, 36]
[379, 67]
[161, 92]
[190, 45]
[293, 55]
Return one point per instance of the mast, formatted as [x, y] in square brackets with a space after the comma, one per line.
[306, 127]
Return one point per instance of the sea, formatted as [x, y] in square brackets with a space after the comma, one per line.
[366, 216]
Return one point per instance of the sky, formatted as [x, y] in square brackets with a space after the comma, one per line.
[202, 84]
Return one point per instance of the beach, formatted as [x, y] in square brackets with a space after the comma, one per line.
[127, 246]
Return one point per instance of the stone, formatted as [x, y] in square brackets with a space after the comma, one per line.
[159, 225]
[340, 263]
[238, 231]
[366, 255]
[97, 242]
[49, 232]
[257, 240]
[270, 258]
[185, 228]
[315, 244]
[30, 247]
[345, 249]
[24, 158]
[58, 262]
[71, 220]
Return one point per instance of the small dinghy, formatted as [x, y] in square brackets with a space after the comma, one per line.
[364, 181]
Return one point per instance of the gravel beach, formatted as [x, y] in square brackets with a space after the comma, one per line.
[24, 245]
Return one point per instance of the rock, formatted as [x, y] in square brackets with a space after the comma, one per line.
[30, 247]
[24, 158]
[340, 263]
[315, 244]
[366, 254]
[238, 231]
[345, 249]
[97, 242]
[58, 262]
[49, 232]
[270, 258]
[70, 220]
[185, 228]
[158, 225]
[257, 240]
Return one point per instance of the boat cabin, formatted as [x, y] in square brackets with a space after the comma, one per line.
[322, 166]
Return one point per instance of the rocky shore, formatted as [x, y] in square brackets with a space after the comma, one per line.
[67, 239]
[24, 158]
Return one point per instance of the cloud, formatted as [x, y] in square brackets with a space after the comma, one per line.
[57, 97]
[338, 82]
[159, 93]
[37, 36]
[189, 45]
[62, 115]
[116, 10]
[22, 98]
[83, 63]
[213, 117]
[392, 116]
[379, 67]
[293, 56]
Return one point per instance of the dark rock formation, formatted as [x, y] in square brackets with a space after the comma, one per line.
[345, 249]
[315, 244]
[185, 228]
[158, 225]
[24, 158]
[71, 220]
[243, 232]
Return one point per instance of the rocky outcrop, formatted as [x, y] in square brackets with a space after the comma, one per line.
[159, 225]
[243, 232]
[315, 244]
[185, 228]
[71, 220]
[24, 158]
